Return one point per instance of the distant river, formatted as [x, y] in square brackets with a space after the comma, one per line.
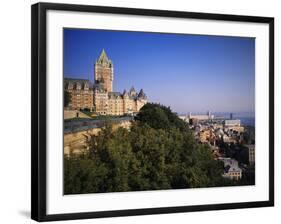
[247, 119]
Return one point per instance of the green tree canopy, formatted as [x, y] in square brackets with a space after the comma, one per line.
[160, 117]
[158, 152]
[66, 98]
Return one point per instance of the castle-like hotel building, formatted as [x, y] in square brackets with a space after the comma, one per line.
[100, 97]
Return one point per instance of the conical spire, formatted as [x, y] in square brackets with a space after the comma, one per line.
[103, 56]
[141, 94]
[103, 59]
[132, 89]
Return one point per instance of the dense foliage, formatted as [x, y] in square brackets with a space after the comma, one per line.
[158, 152]
[66, 98]
[160, 117]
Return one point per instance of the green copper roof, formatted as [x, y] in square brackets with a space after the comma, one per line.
[103, 59]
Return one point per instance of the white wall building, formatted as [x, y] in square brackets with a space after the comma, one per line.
[232, 170]
[229, 123]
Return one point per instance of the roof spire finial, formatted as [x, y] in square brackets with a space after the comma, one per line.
[103, 57]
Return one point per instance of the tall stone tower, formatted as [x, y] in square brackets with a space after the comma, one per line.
[104, 71]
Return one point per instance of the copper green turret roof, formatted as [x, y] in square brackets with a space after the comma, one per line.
[132, 89]
[103, 59]
[103, 55]
[142, 94]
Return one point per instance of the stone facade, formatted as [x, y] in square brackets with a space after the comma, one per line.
[100, 97]
[77, 142]
[80, 93]
[104, 72]
[251, 151]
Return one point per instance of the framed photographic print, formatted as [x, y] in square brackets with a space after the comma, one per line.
[139, 111]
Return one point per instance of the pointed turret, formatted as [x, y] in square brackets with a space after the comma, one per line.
[125, 94]
[104, 71]
[103, 58]
[141, 94]
[133, 91]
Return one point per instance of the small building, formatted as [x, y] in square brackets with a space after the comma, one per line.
[194, 121]
[202, 117]
[231, 169]
[207, 136]
[238, 129]
[229, 123]
[184, 118]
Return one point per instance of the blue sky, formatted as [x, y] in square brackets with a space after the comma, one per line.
[186, 72]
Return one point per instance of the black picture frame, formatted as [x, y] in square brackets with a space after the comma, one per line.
[39, 122]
